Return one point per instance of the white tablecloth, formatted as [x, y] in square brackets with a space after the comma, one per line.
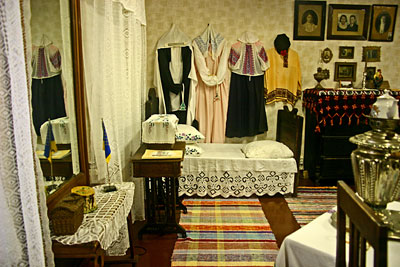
[315, 245]
[107, 222]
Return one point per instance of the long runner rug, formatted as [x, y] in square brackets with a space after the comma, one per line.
[224, 232]
[311, 202]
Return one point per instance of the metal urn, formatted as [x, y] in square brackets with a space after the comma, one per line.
[376, 162]
[319, 76]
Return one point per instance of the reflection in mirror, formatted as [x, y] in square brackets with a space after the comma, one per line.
[53, 108]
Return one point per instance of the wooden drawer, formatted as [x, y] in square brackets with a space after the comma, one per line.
[156, 169]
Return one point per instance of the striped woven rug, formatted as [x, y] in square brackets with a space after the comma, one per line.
[311, 202]
[225, 232]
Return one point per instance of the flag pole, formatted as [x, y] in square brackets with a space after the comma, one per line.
[108, 175]
[107, 151]
[51, 169]
[51, 160]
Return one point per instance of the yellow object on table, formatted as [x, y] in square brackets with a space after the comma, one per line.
[88, 193]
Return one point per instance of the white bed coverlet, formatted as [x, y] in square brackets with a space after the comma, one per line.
[223, 170]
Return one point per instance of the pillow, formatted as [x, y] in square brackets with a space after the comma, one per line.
[193, 150]
[188, 133]
[267, 149]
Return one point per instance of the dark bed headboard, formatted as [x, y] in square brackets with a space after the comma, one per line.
[289, 130]
[151, 106]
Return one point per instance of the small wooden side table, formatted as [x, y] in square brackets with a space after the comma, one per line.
[161, 177]
[99, 229]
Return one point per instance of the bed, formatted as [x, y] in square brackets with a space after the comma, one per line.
[224, 170]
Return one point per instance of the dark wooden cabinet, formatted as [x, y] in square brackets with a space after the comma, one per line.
[327, 152]
[332, 117]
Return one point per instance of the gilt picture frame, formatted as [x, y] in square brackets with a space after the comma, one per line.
[383, 22]
[371, 54]
[346, 52]
[345, 71]
[348, 22]
[309, 20]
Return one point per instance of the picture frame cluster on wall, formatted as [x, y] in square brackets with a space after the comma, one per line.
[345, 22]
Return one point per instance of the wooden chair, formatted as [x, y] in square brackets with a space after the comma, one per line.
[365, 225]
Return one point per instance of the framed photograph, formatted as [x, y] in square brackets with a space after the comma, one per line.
[370, 73]
[309, 20]
[345, 71]
[346, 52]
[348, 22]
[382, 23]
[371, 54]
[326, 55]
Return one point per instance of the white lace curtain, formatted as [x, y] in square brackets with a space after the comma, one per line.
[113, 34]
[24, 229]
[67, 73]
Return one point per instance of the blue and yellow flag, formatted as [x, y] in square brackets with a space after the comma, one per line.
[106, 145]
[50, 146]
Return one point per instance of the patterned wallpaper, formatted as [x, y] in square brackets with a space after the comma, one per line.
[266, 19]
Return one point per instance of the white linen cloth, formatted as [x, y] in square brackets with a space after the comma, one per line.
[160, 129]
[104, 224]
[315, 245]
[176, 39]
[61, 130]
[223, 170]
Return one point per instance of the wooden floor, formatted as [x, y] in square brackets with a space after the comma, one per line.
[156, 250]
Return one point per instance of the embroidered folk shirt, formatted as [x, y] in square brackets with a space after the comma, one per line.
[46, 61]
[248, 56]
[282, 83]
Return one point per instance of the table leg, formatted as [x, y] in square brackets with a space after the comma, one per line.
[161, 196]
[174, 193]
[179, 200]
[149, 202]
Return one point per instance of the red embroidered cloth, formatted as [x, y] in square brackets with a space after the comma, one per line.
[341, 106]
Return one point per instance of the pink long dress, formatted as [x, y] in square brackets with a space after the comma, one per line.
[212, 90]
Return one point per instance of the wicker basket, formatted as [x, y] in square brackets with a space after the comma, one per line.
[67, 216]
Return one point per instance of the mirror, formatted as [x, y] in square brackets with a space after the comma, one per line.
[57, 94]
